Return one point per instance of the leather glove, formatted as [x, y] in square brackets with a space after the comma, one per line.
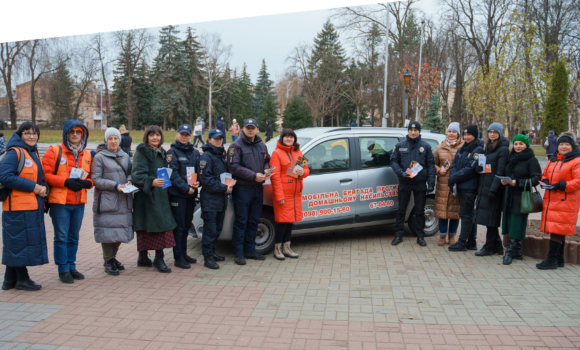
[404, 174]
[85, 183]
[556, 186]
[430, 188]
[479, 169]
[73, 184]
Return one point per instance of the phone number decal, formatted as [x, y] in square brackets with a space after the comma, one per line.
[382, 204]
[323, 212]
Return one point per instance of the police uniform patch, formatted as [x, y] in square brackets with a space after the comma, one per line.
[231, 151]
[202, 164]
[182, 159]
[475, 156]
[402, 149]
[421, 149]
[169, 157]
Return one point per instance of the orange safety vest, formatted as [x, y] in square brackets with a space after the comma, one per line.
[19, 200]
[58, 194]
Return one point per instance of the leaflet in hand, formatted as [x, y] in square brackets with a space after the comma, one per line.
[505, 178]
[546, 187]
[191, 176]
[230, 182]
[302, 161]
[225, 176]
[164, 174]
[269, 172]
[447, 164]
[414, 170]
[78, 173]
[129, 189]
[482, 159]
[291, 170]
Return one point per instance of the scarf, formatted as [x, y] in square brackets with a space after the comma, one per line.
[75, 149]
[158, 149]
[560, 156]
[450, 143]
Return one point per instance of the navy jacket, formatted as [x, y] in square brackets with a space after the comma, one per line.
[126, 141]
[269, 131]
[553, 144]
[178, 158]
[246, 159]
[211, 166]
[463, 172]
[23, 233]
[414, 150]
[221, 126]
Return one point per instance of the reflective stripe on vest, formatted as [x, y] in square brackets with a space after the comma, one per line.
[19, 200]
[58, 194]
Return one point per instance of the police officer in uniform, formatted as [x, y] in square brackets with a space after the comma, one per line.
[213, 196]
[407, 154]
[247, 160]
[464, 174]
[182, 195]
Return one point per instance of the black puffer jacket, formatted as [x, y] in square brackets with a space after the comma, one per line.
[416, 150]
[490, 190]
[521, 166]
[179, 158]
[463, 171]
[211, 166]
[126, 141]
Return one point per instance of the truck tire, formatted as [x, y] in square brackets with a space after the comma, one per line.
[265, 236]
[431, 222]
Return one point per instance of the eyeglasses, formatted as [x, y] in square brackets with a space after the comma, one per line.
[75, 131]
[30, 134]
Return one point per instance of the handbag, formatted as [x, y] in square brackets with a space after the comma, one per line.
[546, 143]
[531, 201]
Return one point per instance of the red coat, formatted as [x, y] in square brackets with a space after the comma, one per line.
[560, 209]
[286, 187]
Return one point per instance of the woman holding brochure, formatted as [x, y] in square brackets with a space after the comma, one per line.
[183, 160]
[488, 204]
[290, 169]
[112, 208]
[522, 166]
[152, 217]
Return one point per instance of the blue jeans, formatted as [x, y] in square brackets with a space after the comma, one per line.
[451, 223]
[234, 138]
[248, 209]
[67, 220]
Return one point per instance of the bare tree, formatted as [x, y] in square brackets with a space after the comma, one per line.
[86, 68]
[10, 53]
[288, 85]
[98, 44]
[215, 62]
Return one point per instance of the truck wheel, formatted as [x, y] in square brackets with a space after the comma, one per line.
[266, 233]
[431, 222]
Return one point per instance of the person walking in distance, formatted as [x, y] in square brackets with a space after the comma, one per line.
[406, 155]
[269, 132]
[126, 141]
[221, 126]
[447, 203]
[247, 160]
[198, 132]
[213, 196]
[234, 130]
[551, 144]
[464, 175]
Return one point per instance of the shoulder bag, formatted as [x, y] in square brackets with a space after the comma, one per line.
[531, 201]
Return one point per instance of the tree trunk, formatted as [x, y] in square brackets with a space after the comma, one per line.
[32, 97]
[357, 114]
[209, 104]
[129, 102]
[12, 109]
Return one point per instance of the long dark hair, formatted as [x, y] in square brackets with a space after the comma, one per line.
[289, 132]
[491, 145]
[28, 126]
[153, 129]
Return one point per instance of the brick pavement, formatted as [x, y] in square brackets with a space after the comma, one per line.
[348, 290]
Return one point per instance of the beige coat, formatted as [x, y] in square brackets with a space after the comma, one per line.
[446, 204]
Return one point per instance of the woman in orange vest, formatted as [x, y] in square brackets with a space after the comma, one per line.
[287, 191]
[23, 234]
[68, 194]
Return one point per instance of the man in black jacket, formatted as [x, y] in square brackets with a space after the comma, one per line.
[269, 132]
[213, 196]
[406, 155]
[247, 160]
[464, 174]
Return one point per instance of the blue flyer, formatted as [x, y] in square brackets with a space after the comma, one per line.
[162, 173]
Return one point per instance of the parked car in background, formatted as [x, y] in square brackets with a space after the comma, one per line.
[351, 184]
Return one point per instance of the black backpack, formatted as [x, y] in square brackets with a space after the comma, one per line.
[5, 191]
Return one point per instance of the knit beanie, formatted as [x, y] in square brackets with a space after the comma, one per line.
[472, 130]
[110, 132]
[455, 126]
[414, 125]
[551, 132]
[497, 127]
[523, 138]
[567, 137]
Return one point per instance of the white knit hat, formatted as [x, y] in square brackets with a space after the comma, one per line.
[110, 132]
[455, 126]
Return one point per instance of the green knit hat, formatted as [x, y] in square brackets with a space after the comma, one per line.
[523, 138]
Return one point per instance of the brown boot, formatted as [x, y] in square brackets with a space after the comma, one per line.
[441, 240]
[278, 251]
[288, 252]
[451, 239]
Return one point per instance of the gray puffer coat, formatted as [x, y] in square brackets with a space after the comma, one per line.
[112, 210]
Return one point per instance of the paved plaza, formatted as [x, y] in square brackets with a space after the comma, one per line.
[349, 290]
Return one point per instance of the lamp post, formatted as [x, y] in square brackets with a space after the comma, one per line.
[101, 116]
[419, 77]
[385, 91]
[407, 78]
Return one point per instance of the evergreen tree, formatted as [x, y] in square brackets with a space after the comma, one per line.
[297, 114]
[433, 121]
[171, 88]
[327, 43]
[267, 112]
[263, 88]
[243, 109]
[61, 96]
[192, 56]
[557, 104]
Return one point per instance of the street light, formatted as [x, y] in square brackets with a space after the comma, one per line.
[407, 78]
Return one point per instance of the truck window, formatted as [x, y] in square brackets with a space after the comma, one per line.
[376, 151]
[432, 143]
[329, 157]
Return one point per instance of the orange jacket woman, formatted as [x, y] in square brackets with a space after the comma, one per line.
[287, 190]
[561, 178]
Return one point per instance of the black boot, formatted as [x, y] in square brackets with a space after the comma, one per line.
[119, 265]
[561, 254]
[210, 263]
[181, 263]
[498, 246]
[457, 247]
[23, 281]
[159, 264]
[509, 252]
[421, 241]
[488, 247]
[551, 263]
[9, 278]
[217, 257]
[189, 259]
[143, 259]
[398, 239]
[111, 268]
[517, 251]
